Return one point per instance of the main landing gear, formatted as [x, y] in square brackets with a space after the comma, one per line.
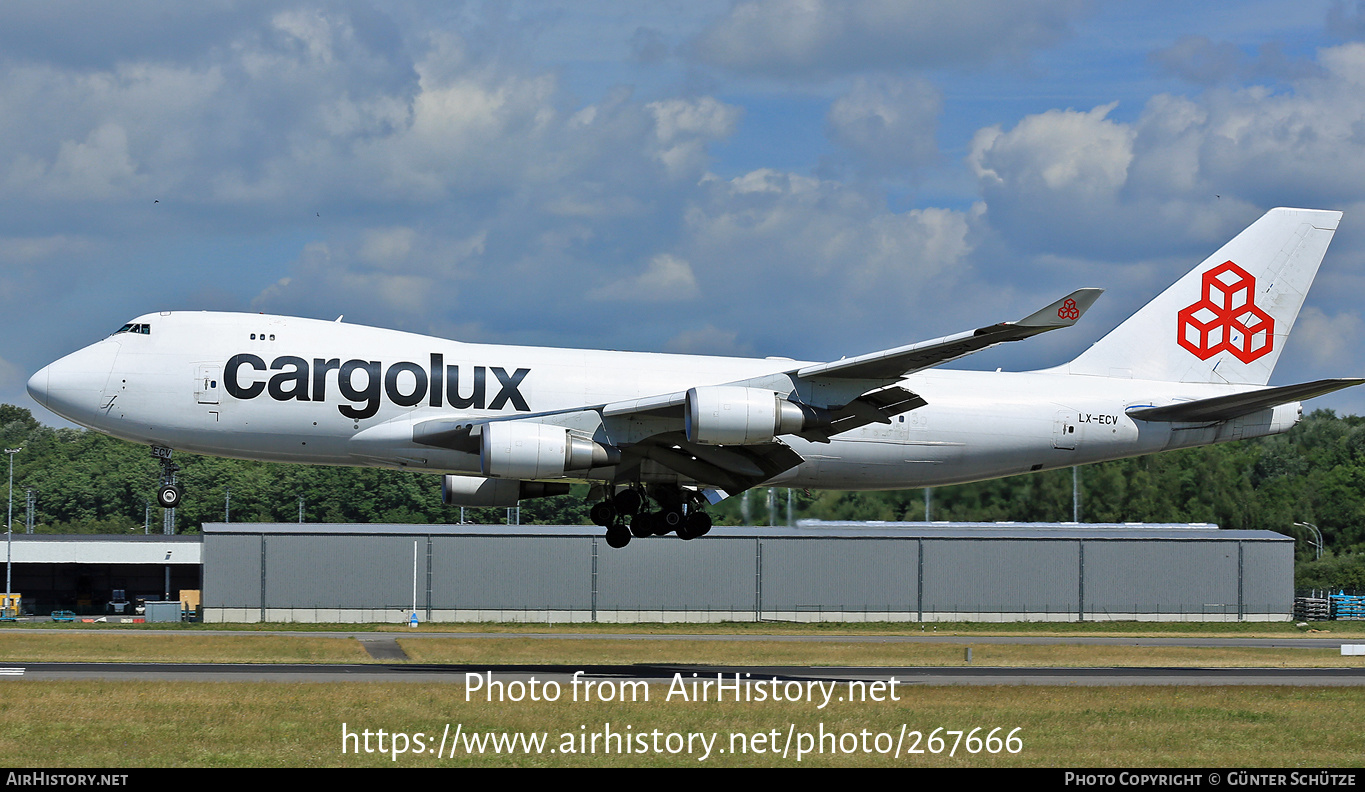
[625, 514]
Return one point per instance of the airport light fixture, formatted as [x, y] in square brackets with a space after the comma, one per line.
[1315, 532]
[9, 529]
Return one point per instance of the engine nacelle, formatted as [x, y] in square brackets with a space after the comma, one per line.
[531, 450]
[735, 415]
[1274, 420]
[471, 491]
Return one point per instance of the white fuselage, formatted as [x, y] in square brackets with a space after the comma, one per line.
[305, 391]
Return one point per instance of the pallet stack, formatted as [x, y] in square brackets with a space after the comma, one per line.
[1348, 608]
[1312, 609]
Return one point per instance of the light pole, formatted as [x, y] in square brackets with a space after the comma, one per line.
[1316, 532]
[9, 529]
[1075, 494]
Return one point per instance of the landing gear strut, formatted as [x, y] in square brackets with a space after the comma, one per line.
[167, 492]
[624, 515]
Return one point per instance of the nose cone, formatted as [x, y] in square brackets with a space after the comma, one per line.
[73, 387]
[37, 386]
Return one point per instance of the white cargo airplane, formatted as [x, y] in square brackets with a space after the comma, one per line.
[504, 422]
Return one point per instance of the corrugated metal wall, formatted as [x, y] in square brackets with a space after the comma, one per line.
[741, 576]
[511, 573]
[874, 575]
[1001, 576]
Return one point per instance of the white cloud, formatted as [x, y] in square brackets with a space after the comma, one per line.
[813, 247]
[804, 38]
[708, 340]
[667, 278]
[1327, 340]
[1060, 151]
[683, 128]
[889, 123]
[1186, 171]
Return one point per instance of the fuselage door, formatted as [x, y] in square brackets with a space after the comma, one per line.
[1065, 431]
[208, 382]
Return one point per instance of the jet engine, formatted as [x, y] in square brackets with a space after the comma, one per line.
[472, 491]
[735, 415]
[531, 450]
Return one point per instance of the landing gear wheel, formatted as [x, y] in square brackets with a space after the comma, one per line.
[672, 521]
[168, 495]
[698, 524]
[645, 524]
[628, 502]
[618, 536]
[602, 513]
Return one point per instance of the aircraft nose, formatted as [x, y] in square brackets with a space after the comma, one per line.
[38, 384]
[73, 386]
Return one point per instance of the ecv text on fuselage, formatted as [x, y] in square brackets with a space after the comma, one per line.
[296, 379]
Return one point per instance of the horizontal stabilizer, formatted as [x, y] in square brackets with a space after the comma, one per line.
[1223, 408]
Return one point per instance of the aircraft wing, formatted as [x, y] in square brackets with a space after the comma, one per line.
[846, 394]
[1225, 408]
[898, 362]
[879, 369]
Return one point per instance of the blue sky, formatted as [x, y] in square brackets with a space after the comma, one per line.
[806, 178]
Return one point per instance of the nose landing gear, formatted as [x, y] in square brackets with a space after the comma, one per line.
[167, 492]
[168, 495]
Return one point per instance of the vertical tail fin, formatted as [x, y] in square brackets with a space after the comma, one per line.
[1226, 320]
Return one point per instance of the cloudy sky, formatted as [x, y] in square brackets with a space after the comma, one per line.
[806, 178]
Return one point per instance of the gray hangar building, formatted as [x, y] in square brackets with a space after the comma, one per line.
[831, 572]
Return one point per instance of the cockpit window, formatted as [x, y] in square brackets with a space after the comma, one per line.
[143, 329]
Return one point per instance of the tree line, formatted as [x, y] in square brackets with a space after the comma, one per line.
[1315, 473]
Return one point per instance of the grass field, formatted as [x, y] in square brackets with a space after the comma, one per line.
[1092, 628]
[191, 646]
[109, 724]
[582, 652]
[248, 724]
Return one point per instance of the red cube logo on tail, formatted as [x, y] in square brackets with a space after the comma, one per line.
[1226, 318]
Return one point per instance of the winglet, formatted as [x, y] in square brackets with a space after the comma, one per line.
[1065, 312]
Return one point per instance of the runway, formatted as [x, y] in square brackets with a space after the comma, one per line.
[1313, 642]
[384, 648]
[663, 674]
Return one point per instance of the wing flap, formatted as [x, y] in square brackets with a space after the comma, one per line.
[731, 468]
[879, 406]
[1223, 408]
